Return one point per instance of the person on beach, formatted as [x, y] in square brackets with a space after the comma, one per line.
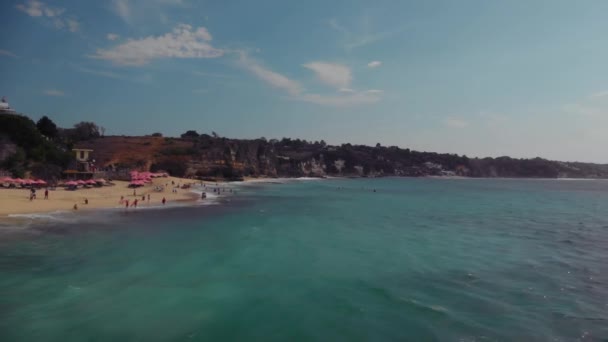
[46, 194]
[134, 203]
[126, 203]
[164, 200]
[148, 198]
[143, 198]
[203, 195]
[134, 193]
[122, 199]
[75, 206]
[86, 201]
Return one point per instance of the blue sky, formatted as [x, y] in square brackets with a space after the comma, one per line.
[481, 78]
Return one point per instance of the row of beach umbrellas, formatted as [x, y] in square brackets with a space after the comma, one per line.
[141, 178]
[10, 180]
[85, 182]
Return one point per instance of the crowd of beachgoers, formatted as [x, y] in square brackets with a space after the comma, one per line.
[24, 196]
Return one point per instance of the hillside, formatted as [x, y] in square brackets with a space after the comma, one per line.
[43, 149]
[207, 156]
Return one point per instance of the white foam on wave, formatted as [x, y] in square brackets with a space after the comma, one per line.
[57, 216]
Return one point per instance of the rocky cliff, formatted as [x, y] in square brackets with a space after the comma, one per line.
[207, 156]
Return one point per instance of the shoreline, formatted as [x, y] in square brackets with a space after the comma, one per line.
[15, 204]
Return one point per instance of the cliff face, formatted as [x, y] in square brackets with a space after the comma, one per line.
[207, 156]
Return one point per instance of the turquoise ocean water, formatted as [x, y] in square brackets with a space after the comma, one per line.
[328, 260]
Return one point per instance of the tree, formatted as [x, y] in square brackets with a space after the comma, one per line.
[190, 134]
[47, 127]
[157, 134]
[84, 131]
[213, 134]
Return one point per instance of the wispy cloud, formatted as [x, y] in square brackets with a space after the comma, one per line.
[140, 79]
[455, 122]
[53, 92]
[122, 9]
[182, 42]
[129, 10]
[273, 78]
[360, 38]
[343, 98]
[603, 93]
[333, 23]
[103, 73]
[332, 74]
[112, 36]
[211, 74]
[8, 54]
[374, 64]
[54, 15]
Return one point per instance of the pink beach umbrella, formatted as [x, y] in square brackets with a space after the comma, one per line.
[91, 182]
[81, 182]
[6, 180]
[71, 183]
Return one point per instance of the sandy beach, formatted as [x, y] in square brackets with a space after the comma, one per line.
[16, 201]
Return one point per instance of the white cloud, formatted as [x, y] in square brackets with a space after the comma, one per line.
[273, 78]
[7, 53]
[112, 36]
[333, 74]
[455, 123]
[374, 91]
[73, 25]
[374, 64]
[35, 8]
[345, 97]
[183, 42]
[53, 92]
[121, 7]
[603, 93]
